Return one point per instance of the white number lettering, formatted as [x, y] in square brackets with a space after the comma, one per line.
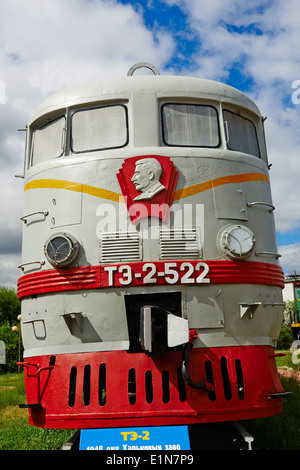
[110, 270]
[170, 268]
[186, 278]
[201, 278]
[149, 279]
[171, 274]
[127, 275]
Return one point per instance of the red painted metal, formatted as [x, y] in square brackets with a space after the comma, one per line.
[116, 388]
[157, 206]
[156, 273]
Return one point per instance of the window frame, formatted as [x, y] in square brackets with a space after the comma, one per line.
[40, 127]
[75, 111]
[190, 104]
[240, 115]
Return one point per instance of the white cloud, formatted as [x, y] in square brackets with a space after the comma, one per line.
[290, 258]
[261, 39]
[56, 44]
[46, 46]
[9, 272]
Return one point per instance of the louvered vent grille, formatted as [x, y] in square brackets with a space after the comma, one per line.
[120, 246]
[179, 244]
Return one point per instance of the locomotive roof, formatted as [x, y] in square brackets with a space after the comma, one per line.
[163, 85]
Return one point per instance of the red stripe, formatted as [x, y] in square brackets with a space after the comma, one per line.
[84, 277]
[189, 272]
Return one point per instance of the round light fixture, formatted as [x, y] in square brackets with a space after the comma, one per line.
[61, 250]
[237, 241]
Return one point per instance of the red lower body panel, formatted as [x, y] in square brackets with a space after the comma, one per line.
[116, 388]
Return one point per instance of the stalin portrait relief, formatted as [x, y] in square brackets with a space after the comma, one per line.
[146, 178]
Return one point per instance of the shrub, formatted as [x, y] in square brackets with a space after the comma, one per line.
[285, 338]
[11, 341]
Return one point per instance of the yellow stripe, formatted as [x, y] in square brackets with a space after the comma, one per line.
[112, 196]
[199, 188]
[69, 185]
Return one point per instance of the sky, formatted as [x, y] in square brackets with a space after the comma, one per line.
[46, 46]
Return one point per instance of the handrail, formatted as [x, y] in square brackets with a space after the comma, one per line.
[24, 218]
[269, 253]
[261, 203]
[26, 365]
[21, 266]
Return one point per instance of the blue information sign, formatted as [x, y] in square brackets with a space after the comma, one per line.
[150, 438]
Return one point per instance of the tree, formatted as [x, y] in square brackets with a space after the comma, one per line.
[291, 312]
[10, 306]
[11, 340]
[286, 335]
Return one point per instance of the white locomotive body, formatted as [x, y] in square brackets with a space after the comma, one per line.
[149, 229]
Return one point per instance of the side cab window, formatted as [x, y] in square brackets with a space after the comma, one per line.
[240, 133]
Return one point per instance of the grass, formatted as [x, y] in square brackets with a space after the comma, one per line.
[280, 432]
[287, 360]
[15, 432]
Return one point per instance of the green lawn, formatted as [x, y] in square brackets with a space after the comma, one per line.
[280, 432]
[287, 360]
[15, 432]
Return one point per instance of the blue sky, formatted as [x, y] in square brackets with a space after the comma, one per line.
[253, 46]
[171, 18]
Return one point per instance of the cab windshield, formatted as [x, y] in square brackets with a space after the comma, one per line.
[190, 125]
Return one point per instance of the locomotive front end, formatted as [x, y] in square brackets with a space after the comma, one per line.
[150, 287]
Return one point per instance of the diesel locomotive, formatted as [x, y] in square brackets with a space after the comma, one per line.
[151, 289]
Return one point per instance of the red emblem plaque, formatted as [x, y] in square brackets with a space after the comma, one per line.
[148, 184]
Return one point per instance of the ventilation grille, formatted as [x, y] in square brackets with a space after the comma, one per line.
[120, 246]
[141, 386]
[179, 244]
[147, 389]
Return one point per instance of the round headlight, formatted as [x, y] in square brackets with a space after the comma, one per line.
[237, 241]
[61, 250]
